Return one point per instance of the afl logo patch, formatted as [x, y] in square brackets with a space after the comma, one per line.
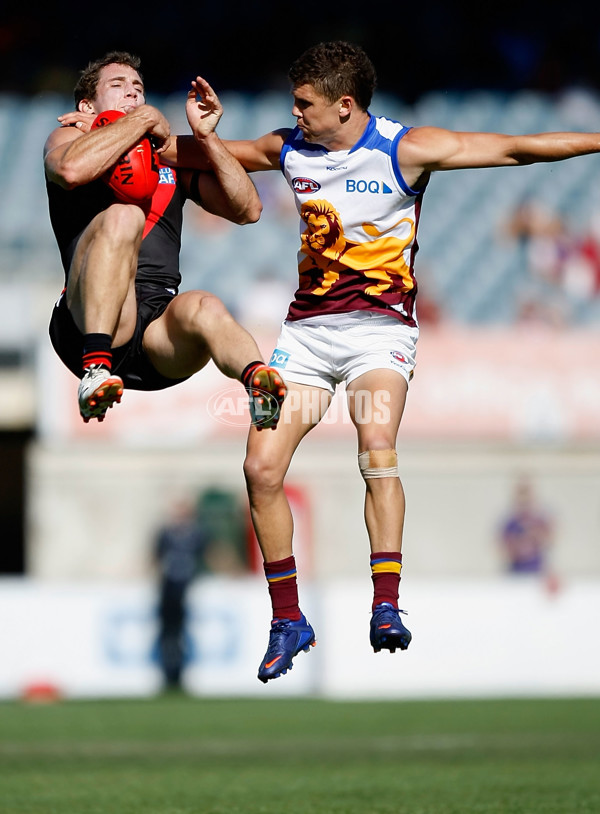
[305, 186]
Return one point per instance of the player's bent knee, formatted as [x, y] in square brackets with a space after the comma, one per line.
[211, 303]
[378, 463]
[205, 310]
[262, 474]
[123, 221]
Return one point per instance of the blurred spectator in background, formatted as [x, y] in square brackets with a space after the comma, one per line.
[179, 550]
[527, 533]
[563, 266]
[582, 269]
[222, 515]
[544, 238]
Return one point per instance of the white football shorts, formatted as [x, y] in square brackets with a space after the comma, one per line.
[326, 350]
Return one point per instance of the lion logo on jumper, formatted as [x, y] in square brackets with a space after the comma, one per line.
[329, 254]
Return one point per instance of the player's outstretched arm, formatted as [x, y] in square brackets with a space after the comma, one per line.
[260, 154]
[430, 149]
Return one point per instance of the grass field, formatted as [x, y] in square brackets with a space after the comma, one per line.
[179, 755]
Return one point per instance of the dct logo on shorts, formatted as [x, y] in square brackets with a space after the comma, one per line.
[361, 186]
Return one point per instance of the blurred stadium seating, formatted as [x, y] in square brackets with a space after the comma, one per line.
[471, 271]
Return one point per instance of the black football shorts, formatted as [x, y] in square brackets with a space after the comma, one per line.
[130, 361]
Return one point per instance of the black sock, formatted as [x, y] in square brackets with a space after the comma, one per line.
[97, 350]
[246, 377]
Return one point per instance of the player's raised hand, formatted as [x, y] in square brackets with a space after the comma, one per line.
[203, 108]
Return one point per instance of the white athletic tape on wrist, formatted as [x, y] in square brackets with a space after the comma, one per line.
[378, 463]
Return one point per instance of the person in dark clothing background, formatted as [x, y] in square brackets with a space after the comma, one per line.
[179, 549]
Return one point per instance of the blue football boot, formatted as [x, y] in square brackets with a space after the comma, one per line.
[286, 639]
[387, 630]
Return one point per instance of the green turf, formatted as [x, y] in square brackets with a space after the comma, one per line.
[178, 755]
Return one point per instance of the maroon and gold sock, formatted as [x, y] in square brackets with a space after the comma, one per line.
[283, 588]
[97, 350]
[385, 573]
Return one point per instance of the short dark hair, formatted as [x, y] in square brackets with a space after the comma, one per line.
[336, 69]
[87, 84]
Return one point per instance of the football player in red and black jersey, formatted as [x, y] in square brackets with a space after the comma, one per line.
[120, 322]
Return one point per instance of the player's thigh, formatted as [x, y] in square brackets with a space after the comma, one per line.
[269, 452]
[112, 236]
[173, 342]
[376, 402]
[111, 231]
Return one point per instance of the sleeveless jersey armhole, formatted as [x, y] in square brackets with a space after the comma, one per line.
[286, 147]
[397, 171]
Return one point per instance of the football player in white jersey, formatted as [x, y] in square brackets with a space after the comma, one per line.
[353, 318]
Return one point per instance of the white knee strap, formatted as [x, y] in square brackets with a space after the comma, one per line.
[378, 463]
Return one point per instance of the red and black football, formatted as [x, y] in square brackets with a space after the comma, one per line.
[134, 177]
